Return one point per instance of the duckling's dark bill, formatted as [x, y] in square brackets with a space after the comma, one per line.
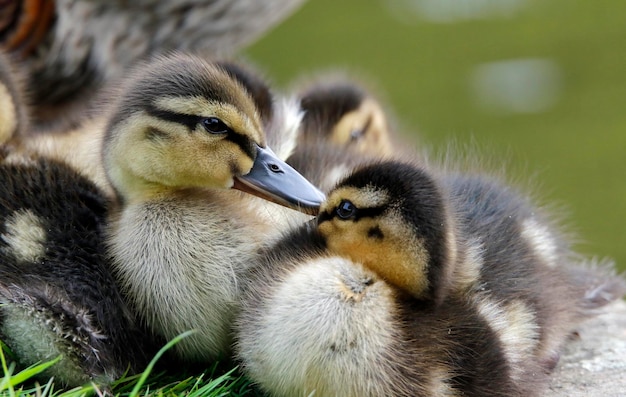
[272, 179]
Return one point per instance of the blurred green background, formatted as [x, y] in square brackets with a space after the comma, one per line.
[539, 83]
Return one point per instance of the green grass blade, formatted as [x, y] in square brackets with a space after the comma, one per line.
[31, 371]
[6, 350]
[146, 373]
[214, 385]
[6, 379]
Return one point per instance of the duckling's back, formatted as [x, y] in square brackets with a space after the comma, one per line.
[527, 279]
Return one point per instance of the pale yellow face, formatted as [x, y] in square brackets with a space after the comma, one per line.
[152, 154]
[376, 237]
[364, 128]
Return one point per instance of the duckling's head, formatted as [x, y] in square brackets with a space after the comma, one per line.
[345, 114]
[183, 122]
[392, 217]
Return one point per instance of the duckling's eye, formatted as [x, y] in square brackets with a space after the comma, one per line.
[214, 125]
[355, 135]
[346, 210]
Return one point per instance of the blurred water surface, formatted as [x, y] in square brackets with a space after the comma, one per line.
[538, 83]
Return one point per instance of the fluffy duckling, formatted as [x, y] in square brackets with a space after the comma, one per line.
[181, 135]
[344, 113]
[58, 296]
[415, 283]
[71, 48]
[80, 146]
[343, 127]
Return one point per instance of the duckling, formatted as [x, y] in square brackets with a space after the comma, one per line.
[58, 296]
[343, 127]
[345, 113]
[416, 282]
[72, 48]
[181, 135]
[466, 233]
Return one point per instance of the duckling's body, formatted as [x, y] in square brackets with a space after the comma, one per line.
[57, 293]
[183, 133]
[416, 282]
[324, 324]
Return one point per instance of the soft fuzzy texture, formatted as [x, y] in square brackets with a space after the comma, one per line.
[57, 291]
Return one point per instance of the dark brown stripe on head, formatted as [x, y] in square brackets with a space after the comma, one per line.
[245, 144]
[325, 106]
[188, 120]
[257, 88]
[371, 212]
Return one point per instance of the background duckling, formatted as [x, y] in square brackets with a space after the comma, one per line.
[343, 126]
[182, 133]
[58, 296]
[413, 283]
[346, 113]
[71, 48]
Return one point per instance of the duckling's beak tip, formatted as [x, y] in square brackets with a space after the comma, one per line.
[274, 180]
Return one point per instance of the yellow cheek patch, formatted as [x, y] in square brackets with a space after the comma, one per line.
[174, 158]
[352, 121]
[397, 256]
[388, 261]
[370, 118]
[376, 139]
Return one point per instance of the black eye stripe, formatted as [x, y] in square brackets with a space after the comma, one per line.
[371, 212]
[192, 121]
[245, 143]
[188, 120]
